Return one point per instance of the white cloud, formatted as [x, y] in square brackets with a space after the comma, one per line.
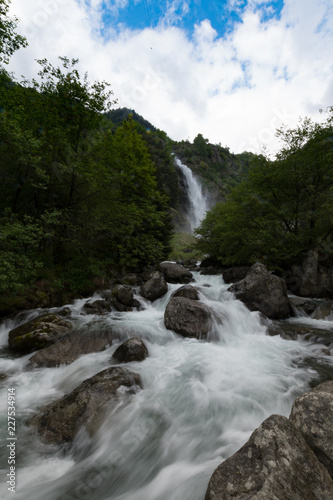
[235, 90]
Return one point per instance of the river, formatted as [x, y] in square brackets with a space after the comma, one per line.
[201, 400]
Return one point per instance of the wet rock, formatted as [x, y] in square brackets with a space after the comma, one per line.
[188, 317]
[122, 298]
[276, 463]
[309, 332]
[131, 350]
[99, 306]
[264, 292]
[304, 305]
[312, 415]
[313, 278]
[60, 421]
[175, 273]
[187, 291]
[155, 287]
[324, 310]
[234, 274]
[71, 347]
[38, 333]
[65, 312]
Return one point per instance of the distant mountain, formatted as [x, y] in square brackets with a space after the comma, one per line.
[120, 114]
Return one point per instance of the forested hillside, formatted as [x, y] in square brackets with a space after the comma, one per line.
[282, 208]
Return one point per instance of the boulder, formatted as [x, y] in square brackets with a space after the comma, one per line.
[99, 306]
[122, 298]
[313, 277]
[38, 333]
[71, 347]
[264, 292]
[131, 350]
[275, 464]
[60, 421]
[312, 414]
[188, 317]
[324, 310]
[304, 305]
[175, 273]
[187, 291]
[155, 287]
[234, 274]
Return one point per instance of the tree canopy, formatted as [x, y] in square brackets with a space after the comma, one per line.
[282, 208]
[80, 196]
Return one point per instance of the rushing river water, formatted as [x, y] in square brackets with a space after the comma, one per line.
[200, 402]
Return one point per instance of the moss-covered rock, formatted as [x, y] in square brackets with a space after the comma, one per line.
[38, 333]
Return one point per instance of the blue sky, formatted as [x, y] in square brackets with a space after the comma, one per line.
[137, 15]
[232, 70]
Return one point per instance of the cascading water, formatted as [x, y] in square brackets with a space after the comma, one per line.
[198, 200]
[200, 401]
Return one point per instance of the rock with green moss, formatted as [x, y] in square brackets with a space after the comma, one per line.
[38, 333]
[60, 421]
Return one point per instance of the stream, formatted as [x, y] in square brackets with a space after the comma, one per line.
[200, 402]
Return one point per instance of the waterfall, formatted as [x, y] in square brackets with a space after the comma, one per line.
[201, 400]
[198, 205]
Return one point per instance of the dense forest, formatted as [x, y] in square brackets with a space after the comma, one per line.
[89, 191]
[281, 208]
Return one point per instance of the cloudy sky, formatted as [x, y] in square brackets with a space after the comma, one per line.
[232, 70]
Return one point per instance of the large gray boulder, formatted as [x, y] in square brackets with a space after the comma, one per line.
[275, 464]
[190, 318]
[312, 414]
[233, 274]
[264, 292]
[131, 350]
[38, 333]
[187, 291]
[155, 287]
[60, 421]
[314, 277]
[71, 347]
[175, 273]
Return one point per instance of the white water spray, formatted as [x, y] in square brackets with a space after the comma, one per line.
[200, 402]
[198, 200]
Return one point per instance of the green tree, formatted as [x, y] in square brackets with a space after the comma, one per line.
[282, 208]
[10, 41]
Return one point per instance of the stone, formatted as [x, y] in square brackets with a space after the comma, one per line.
[324, 311]
[123, 294]
[131, 350]
[264, 292]
[155, 287]
[71, 347]
[304, 305]
[188, 317]
[99, 306]
[187, 291]
[38, 333]
[234, 274]
[60, 421]
[175, 273]
[275, 464]
[312, 415]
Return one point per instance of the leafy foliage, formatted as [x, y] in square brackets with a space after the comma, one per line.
[282, 208]
[10, 41]
[81, 197]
